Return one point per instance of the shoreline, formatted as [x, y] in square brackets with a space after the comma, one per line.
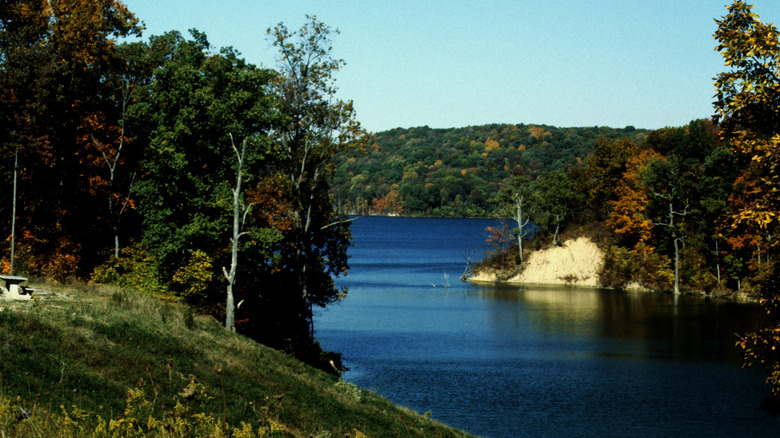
[577, 263]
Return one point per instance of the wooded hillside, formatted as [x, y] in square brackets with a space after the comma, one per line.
[456, 172]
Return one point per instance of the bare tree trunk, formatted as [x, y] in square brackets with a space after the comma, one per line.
[717, 258]
[675, 238]
[520, 223]
[230, 307]
[112, 163]
[13, 213]
[676, 266]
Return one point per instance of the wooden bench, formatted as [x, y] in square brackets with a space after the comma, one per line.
[13, 289]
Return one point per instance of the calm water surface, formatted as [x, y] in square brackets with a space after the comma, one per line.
[532, 361]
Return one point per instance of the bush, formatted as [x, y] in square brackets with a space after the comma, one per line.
[192, 280]
[135, 269]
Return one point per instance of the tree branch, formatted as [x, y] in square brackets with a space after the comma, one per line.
[332, 224]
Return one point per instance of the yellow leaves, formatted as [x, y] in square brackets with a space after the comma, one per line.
[83, 29]
[758, 205]
[491, 145]
[627, 215]
[538, 132]
[194, 278]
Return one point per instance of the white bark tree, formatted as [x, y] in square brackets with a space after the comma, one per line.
[239, 218]
[678, 235]
[13, 213]
[117, 204]
[522, 225]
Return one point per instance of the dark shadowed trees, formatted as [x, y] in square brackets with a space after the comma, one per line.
[315, 126]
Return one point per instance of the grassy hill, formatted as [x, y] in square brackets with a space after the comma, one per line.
[97, 361]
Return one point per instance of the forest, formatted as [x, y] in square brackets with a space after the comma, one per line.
[173, 167]
[455, 172]
[181, 170]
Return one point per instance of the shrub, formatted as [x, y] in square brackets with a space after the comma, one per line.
[135, 269]
[193, 279]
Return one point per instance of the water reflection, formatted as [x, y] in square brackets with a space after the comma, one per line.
[630, 324]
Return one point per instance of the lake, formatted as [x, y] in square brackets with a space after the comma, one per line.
[534, 361]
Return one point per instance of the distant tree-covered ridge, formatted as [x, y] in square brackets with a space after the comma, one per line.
[457, 171]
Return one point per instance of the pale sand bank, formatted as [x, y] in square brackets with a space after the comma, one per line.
[576, 262]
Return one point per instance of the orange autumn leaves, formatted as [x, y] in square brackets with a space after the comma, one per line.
[84, 29]
[628, 218]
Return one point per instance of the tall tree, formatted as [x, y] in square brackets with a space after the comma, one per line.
[748, 110]
[55, 57]
[663, 180]
[516, 199]
[628, 218]
[316, 126]
[185, 191]
[239, 218]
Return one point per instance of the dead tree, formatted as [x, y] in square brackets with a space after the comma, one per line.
[521, 224]
[117, 205]
[13, 212]
[239, 218]
[675, 237]
[467, 255]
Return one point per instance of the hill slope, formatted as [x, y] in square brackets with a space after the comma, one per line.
[456, 172]
[91, 359]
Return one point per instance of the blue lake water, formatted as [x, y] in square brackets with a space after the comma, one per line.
[534, 361]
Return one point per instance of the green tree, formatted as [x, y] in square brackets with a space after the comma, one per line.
[315, 126]
[195, 101]
[556, 200]
[748, 111]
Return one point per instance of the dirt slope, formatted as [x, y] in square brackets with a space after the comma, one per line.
[576, 262]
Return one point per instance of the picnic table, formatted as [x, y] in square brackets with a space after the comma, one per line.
[13, 288]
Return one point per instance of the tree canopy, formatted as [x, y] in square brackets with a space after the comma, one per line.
[128, 168]
[748, 108]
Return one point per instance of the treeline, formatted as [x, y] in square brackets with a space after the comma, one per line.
[456, 172]
[172, 166]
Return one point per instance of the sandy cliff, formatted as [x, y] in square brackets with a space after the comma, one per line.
[576, 262]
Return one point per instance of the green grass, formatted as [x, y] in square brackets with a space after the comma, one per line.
[100, 361]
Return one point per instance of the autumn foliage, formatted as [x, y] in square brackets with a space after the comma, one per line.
[125, 169]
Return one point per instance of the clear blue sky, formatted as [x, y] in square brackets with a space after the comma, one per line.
[646, 63]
